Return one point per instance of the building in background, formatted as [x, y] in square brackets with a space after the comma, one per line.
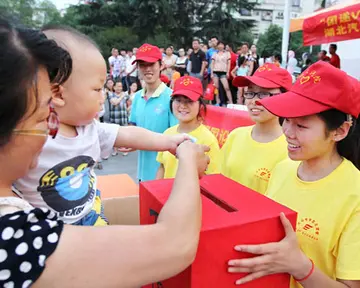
[268, 12]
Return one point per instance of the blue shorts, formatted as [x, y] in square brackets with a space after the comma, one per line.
[96, 216]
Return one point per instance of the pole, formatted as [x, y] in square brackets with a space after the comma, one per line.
[286, 33]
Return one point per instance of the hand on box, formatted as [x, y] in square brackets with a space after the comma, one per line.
[281, 257]
[194, 152]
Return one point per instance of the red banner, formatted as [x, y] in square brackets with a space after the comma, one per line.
[221, 121]
[333, 26]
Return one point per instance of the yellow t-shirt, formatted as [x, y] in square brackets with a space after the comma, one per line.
[203, 136]
[249, 162]
[328, 225]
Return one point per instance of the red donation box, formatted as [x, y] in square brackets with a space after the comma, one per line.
[232, 214]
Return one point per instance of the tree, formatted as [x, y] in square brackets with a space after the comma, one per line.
[31, 13]
[270, 42]
[164, 21]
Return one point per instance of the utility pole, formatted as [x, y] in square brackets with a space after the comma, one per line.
[286, 33]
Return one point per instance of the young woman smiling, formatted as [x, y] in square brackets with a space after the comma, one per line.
[250, 153]
[323, 185]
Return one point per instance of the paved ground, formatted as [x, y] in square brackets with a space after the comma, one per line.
[120, 165]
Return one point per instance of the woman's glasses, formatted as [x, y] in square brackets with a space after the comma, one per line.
[52, 123]
[260, 95]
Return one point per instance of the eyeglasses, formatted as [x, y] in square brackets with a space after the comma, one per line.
[260, 95]
[52, 123]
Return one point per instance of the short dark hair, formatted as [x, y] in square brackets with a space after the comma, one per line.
[196, 40]
[212, 37]
[246, 44]
[231, 46]
[31, 49]
[202, 107]
[334, 46]
[278, 57]
[324, 52]
[349, 147]
[308, 61]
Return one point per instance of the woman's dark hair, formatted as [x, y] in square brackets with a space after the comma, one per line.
[221, 42]
[241, 60]
[202, 107]
[349, 147]
[22, 52]
[107, 80]
[129, 90]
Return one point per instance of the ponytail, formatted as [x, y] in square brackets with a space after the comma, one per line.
[349, 147]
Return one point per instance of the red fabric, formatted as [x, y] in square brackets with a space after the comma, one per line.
[333, 26]
[320, 88]
[188, 86]
[267, 76]
[233, 59]
[335, 61]
[164, 79]
[210, 91]
[221, 121]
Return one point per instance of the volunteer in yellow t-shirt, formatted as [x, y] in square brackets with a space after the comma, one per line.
[251, 153]
[323, 187]
[189, 108]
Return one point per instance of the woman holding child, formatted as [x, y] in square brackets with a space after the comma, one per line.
[36, 249]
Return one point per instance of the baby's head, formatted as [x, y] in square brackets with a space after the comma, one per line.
[80, 98]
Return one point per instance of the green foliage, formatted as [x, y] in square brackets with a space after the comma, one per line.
[218, 19]
[31, 13]
[164, 21]
[270, 42]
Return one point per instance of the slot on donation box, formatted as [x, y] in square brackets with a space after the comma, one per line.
[232, 214]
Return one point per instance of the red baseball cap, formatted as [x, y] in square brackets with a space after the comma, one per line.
[164, 79]
[320, 88]
[148, 53]
[188, 86]
[267, 76]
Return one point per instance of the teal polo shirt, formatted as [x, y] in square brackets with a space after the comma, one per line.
[153, 114]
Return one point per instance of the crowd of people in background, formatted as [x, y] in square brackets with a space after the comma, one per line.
[302, 152]
[215, 64]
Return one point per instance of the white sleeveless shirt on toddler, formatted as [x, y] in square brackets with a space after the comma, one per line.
[64, 180]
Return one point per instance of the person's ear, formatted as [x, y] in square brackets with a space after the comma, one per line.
[342, 131]
[57, 95]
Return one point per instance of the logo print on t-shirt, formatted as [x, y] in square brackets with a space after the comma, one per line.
[263, 174]
[309, 228]
[68, 186]
[159, 109]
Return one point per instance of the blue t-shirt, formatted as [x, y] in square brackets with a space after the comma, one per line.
[209, 55]
[153, 114]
